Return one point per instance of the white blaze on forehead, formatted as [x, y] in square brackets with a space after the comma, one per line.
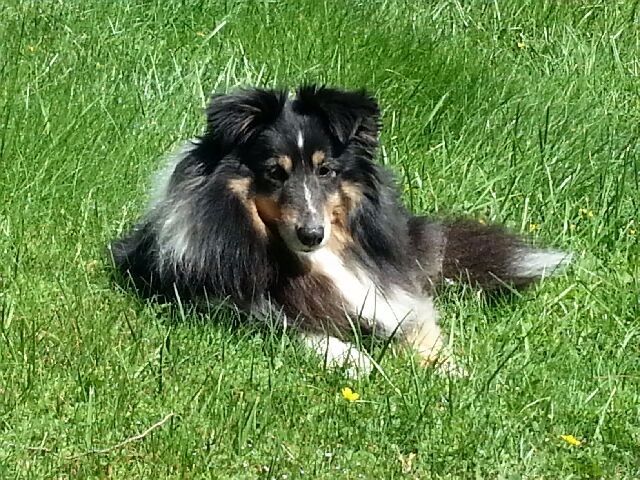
[308, 199]
[300, 140]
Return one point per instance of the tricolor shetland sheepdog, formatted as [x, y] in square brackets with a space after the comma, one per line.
[280, 207]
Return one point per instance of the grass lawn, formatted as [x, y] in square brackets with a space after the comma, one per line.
[525, 112]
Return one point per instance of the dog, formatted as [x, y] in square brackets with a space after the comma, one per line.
[281, 208]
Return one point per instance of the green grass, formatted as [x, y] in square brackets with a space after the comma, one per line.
[523, 112]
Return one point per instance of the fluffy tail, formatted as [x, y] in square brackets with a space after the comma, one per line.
[484, 255]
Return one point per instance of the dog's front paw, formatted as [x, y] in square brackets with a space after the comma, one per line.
[442, 361]
[358, 364]
[339, 354]
[355, 362]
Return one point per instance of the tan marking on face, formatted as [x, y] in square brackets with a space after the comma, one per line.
[317, 158]
[268, 209]
[288, 216]
[285, 162]
[352, 192]
[336, 209]
[281, 219]
[240, 187]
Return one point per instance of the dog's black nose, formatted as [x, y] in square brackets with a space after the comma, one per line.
[310, 236]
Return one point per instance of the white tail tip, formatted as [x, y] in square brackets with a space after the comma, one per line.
[541, 263]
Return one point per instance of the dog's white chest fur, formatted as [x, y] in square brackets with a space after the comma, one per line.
[363, 298]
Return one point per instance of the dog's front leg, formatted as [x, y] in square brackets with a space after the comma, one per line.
[424, 337]
[337, 354]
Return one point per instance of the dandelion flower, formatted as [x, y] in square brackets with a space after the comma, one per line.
[407, 462]
[586, 212]
[571, 440]
[349, 395]
[522, 45]
[534, 227]
[91, 266]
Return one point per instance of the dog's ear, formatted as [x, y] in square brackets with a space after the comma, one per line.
[234, 118]
[348, 114]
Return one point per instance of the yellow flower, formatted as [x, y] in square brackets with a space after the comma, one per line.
[571, 440]
[534, 227]
[201, 34]
[522, 45]
[586, 213]
[349, 395]
[91, 266]
[407, 462]
[482, 221]
[31, 48]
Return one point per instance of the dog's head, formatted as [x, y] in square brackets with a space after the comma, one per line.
[310, 156]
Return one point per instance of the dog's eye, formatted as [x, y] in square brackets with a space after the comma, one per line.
[277, 173]
[326, 172]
